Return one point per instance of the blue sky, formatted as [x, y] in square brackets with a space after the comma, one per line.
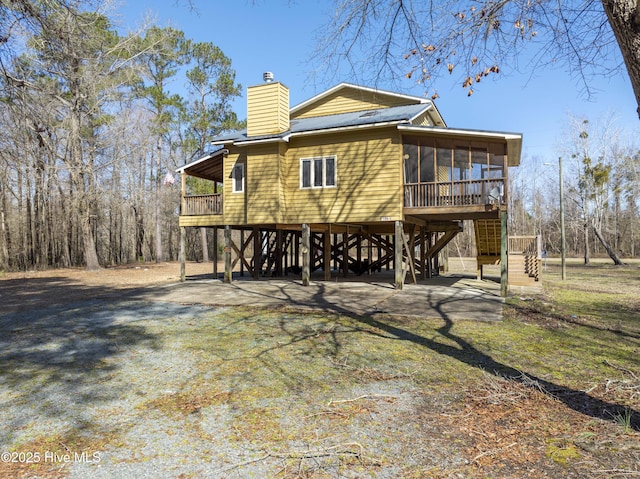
[279, 36]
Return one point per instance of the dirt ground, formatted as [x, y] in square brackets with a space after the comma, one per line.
[57, 286]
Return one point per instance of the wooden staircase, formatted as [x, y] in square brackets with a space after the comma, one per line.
[487, 243]
[524, 261]
[517, 274]
[523, 258]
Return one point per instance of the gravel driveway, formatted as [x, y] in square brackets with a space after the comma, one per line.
[137, 389]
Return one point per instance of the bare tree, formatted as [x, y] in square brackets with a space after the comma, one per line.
[425, 40]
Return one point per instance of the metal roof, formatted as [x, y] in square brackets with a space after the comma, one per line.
[381, 116]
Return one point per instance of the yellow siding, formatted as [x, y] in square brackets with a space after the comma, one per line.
[349, 100]
[204, 220]
[263, 184]
[234, 204]
[369, 179]
[423, 120]
[267, 109]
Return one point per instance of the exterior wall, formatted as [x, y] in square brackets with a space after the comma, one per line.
[262, 185]
[369, 179]
[267, 109]
[350, 100]
[234, 204]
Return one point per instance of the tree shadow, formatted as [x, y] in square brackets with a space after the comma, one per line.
[461, 350]
[56, 359]
[464, 352]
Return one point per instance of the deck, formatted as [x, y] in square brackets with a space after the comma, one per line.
[198, 205]
[454, 193]
[451, 196]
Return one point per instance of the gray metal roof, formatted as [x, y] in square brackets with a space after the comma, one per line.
[397, 114]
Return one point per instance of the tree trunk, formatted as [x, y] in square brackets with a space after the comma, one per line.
[624, 18]
[89, 244]
[159, 252]
[612, 254]
[139, 223]
[585, 230]
[205, 245]
[4, 237]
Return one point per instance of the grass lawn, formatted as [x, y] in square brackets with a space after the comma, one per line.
[551, 391]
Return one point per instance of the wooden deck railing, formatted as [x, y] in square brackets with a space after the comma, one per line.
[202, 205]
[453, 193]
[527, 245]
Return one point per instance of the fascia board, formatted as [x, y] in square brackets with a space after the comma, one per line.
[461, 132]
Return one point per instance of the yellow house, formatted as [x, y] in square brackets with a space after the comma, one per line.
[353, 180]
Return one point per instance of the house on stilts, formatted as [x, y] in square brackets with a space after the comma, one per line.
[355, 180]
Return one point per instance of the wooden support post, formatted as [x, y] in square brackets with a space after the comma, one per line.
[387, 266]
[241, 253]
[288, 252]
[423, 269]
[410, 259]
[336, 261]
[359, 254]
[306, 254]
[369, 255]
[228, 275]
[257, 251]
[345, 252]
[326, 254]
[183, 253]
[296, 255]
[183, 192]
[504, 254]
[411, 252]
[397, 254]
[215, 252]
[279, 253]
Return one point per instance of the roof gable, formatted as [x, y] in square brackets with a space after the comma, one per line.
[348, 98]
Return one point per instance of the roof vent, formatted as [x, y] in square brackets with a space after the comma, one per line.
[267, 77]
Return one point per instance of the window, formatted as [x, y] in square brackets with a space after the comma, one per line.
[237, 175]
[318, 172]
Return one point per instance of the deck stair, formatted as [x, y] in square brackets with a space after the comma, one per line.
[487, 233]
[523, 258]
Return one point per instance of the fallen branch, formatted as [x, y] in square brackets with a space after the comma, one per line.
[350, 449]
[493, 451]
[620, 368]
[364, 396]
[624, 472]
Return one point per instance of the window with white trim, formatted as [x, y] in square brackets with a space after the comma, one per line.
[237, 176]
[319, 172]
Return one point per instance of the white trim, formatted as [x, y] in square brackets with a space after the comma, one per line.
[219, 152]
[311, 161]
[282, 139]
[348, 128]
[459, 131]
